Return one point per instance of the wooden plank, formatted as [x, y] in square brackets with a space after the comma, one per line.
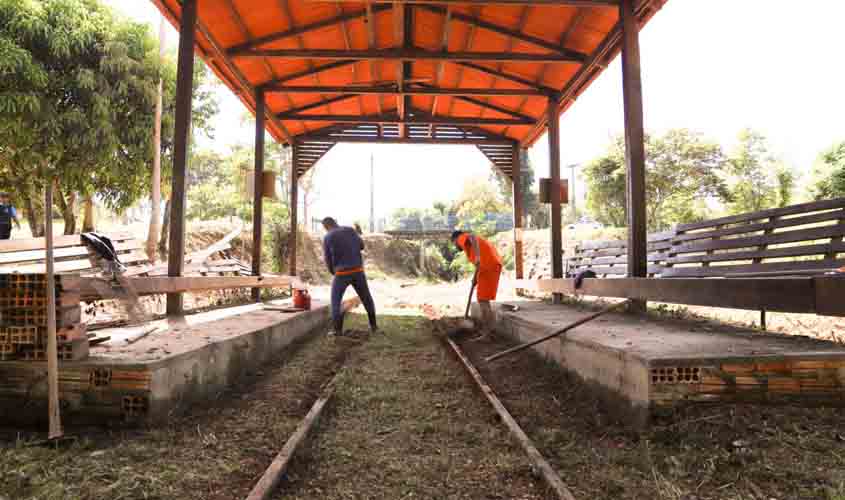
[773, 294]
[550, 477]
[746, 269]
[765, 214]
[795, 251]
[61, 253]
[94, 288]
[634, 145]
[184, 96]
[266, 486]
[55, 419]
[798, 235]
[70, 240]
[776, 223]
[830, 291]
[73, 265]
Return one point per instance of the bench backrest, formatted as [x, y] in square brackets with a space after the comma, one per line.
[798, 239]
[27, 255]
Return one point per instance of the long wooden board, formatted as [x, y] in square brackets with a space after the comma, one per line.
[94, 288]
[795, 295]
[58, 242]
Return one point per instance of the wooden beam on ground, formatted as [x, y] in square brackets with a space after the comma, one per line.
[553, 124]
[266, 486]
[793, 295]
[410, 54]
[518, 212]
[92, 289]
[408, 90]
[632, 90]
[294, 209]
[184, 96]
[509, 32]
[548, 473]
[442, 120]
[301, 30]
[258, 191]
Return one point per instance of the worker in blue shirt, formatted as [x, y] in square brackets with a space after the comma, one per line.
[342, 250]
[8, 215]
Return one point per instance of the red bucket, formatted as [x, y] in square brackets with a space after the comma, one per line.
[301, 299]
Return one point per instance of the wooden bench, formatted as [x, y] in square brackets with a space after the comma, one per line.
[798, 240]
[71, 256]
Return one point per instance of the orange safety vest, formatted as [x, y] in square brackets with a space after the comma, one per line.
[489, 256]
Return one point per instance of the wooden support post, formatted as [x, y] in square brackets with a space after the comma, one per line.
[184, 91]
[552, 120]
[518, 211]
[258, 190]
[634, 146]
[55, 420]
[294, 192]
[763, 319]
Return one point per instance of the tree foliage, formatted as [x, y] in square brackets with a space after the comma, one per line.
[830, 173]
[756, 178]
[682, 171]
[77, 99]
[535, 212]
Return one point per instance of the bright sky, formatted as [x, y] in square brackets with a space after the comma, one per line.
[715, 67]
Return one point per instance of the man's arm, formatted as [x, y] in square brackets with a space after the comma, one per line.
[327, 255]
[476, 251]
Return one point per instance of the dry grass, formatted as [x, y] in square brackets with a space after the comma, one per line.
[217, 452]
[728, 452]
[407, 423]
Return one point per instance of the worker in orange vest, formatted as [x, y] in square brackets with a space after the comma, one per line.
[488, 268]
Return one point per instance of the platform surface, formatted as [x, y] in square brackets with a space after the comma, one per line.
[656, 341]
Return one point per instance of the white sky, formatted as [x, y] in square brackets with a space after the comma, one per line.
[713, 66]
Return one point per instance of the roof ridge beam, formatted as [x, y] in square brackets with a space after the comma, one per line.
[410, 119]
[503, 30]
[301, 30]
[410, 55]
[417, 89]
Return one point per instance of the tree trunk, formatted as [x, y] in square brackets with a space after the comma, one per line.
[165, 231]
[155, 194]
[88, 217]
[66, 206]
[33, 216]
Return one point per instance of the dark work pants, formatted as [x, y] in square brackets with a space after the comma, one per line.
[359, 283]
[5, 231]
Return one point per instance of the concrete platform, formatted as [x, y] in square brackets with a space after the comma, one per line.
[644, 366]
[161, 374]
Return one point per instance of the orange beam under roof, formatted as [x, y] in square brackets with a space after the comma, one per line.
[489, 66]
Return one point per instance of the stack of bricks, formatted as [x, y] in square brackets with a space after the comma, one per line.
[23, 318]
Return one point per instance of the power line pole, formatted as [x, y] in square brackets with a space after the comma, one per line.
[372, 196]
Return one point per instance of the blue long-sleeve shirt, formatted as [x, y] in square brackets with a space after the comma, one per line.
[342, 249]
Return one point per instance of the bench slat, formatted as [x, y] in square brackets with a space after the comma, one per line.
[796, 251]
[765, 268]
[60, 253]
[58, 242]
[798, 235]
[70, 265]
[765, 214]
[750, 228]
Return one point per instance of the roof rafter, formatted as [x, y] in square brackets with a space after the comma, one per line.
[576, 3]
[508, 76]
[410, 54]
[305, 28]
[503, 30]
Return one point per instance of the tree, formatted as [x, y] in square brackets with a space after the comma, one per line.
[532, 208]
[830, 173]
[682, 172]
[757, 179]
[78, 87]
[479, 199]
